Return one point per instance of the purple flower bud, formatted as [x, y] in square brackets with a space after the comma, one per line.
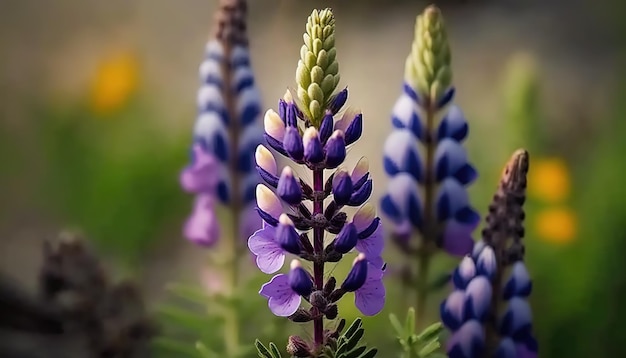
[506, 349]
[402, 202]
[405, 115]
[282, 110]
[346, 239]
[313, 150]
[300, 280]
[357, 275]
[486, 263]
[291, 115]
[452, 310]
[355, 129]
[287, 236]
[453, 125]
[342, 187]
[517, 320]
[212, 134]
[360, 173]
[361, 195]
[293, 144]
[337, 101]
[478, 293]
[478, 248]
[335, 150]
[268, 204]
[464, 273]
[451, 161]
[266, 166]
[274, 125]
[326, 127]
[289, 188]
[467, 342]
[519, 284]
[448, 95]
[401, 155]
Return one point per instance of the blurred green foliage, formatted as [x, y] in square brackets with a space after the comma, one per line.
[111, 176]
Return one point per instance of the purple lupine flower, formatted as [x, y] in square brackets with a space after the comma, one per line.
[226, 132]
[471, 312]
[298, 214]
[424, 156]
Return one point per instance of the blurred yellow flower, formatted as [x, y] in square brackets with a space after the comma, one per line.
[549, 180]
[115, 80]
[557, 225]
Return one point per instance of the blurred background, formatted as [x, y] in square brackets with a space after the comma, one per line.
[97, 101]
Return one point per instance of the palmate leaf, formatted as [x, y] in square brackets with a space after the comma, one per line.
[347, 345]
[423, 345]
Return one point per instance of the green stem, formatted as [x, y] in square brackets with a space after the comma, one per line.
[429, 236]
[424, 258]
[232, 252]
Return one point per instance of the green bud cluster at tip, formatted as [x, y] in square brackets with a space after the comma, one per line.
[318, 70]
[428, 67]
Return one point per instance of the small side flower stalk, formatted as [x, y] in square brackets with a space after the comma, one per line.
[296, 219]
[225, 135]
[426, 198]
[487, 312]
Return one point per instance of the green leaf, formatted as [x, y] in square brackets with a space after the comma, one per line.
[354, 340]
[409, 325]
[431, 332]
[397, 326]
[429, 349]
[262, 350]
[355, 353]
[275, 350]
[353, 328]
[370, 354]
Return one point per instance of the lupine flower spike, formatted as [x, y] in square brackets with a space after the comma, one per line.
[428, 167]
[487, 312]
[226, 132]
[306, 131]
[225, 135]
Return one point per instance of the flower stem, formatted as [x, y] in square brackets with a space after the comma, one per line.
[424, 259]
[429, 231]
[318, 247]
[232, 252]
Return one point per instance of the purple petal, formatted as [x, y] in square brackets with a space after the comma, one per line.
[457, 238]
[282, 300]
[202, 227]
[373, 246]
[370, 298]
[202, 175]
[270, 257]
[361, 169]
